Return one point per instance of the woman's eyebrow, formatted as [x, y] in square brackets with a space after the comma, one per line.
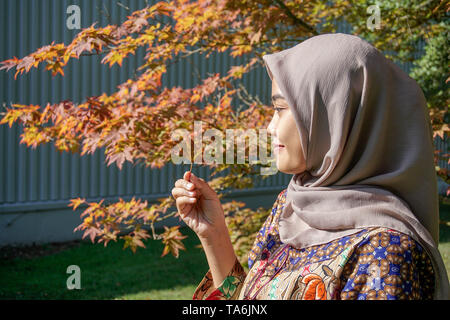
[276, 97]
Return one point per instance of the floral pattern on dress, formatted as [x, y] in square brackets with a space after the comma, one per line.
[228, 289]
[373, 263]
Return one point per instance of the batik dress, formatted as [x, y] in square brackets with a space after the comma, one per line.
[374, 263]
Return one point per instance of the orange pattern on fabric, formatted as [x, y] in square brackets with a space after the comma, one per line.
[315, 287]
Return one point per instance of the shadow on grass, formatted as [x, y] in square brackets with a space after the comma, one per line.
[106, 272]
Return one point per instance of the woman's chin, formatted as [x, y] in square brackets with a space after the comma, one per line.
[283, 165]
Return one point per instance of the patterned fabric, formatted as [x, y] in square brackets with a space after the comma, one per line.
[374, 263]
[228, 289]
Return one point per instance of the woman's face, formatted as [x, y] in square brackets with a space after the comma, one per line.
[289, 154]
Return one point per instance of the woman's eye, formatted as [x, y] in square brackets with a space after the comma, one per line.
[278, 109]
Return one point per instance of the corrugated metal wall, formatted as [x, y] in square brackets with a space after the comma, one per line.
[43, 179]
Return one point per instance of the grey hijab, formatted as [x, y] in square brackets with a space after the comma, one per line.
[366, 135]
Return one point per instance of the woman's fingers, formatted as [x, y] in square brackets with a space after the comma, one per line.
[182, 183]
[184, 201]
[179, 192]
[195, 182]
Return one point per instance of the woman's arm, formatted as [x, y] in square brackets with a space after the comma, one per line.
[229, 280]
[219, 253]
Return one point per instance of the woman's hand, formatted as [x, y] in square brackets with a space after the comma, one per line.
[199, 206]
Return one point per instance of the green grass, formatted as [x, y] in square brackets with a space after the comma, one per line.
[114, 273]
[444, 236]
[107, 273]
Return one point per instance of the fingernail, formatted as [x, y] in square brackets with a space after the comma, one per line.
[189, 185]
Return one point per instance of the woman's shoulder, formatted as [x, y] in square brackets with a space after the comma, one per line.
[398, 261]
[392, 247]
[385, 243]
[279, 203]
[281, 198]
[383, 237]
[270, 225]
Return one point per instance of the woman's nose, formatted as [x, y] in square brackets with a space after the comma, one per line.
[271, 127]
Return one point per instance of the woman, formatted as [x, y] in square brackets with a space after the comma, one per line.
[359, 218]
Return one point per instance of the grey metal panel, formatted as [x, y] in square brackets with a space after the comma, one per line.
[36, 179]
[444, 146]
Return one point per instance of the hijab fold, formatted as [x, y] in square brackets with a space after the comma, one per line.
[366, 135]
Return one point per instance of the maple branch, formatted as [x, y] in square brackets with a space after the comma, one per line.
[173, 213]
[154, 234]
[191, 52]
[248, 99]
[106, 12]
[88, 54]
[123, 6]
[295, 19]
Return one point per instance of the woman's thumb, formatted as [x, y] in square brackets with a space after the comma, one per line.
[187, 176]
[204, 187]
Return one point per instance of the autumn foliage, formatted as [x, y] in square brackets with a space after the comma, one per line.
[136, 121]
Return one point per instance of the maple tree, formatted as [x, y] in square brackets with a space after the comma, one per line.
[135, 122]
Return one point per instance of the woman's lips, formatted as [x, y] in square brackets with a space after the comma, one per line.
[278, 147]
